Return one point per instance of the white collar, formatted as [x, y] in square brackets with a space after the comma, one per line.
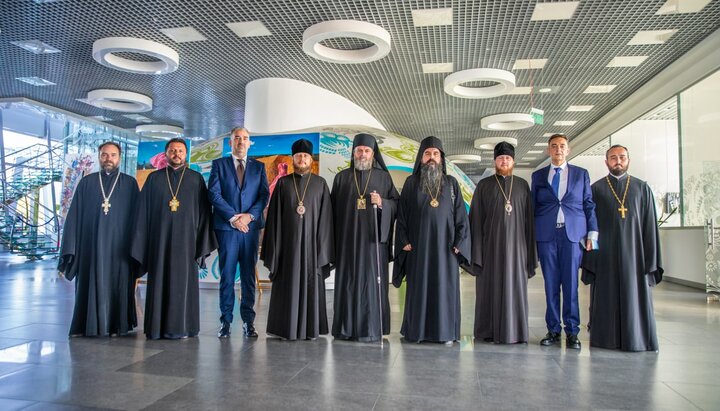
[617, 177]
[243, 159]
[563, 166]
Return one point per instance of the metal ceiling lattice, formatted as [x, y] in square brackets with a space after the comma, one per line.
[206, 94]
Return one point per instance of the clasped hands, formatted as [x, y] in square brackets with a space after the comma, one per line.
[242, 222]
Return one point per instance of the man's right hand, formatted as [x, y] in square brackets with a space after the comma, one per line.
[407, 247]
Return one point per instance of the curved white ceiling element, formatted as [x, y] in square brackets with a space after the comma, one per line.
[119, 100]
[464, 158]
[162, 131]
[505, 83]
[104, 53]
[277, 105]
[317, 33]
[507, 121]
[489, 143]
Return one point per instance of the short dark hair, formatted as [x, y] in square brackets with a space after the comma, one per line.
[617, 146]
[111, 143]
[558, 135]
[175, 140]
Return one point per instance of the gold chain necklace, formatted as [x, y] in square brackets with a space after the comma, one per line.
[174, 203]
[106, 199]
[622, 208]
[301, 207]
[361, 197]
[508, 206]
[434, 202]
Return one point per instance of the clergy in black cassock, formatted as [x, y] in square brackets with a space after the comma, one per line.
[298, 250]
[173, 236]
[358, 295]
[432, 239]
[503, 253]
[95, 249]
[628, 262]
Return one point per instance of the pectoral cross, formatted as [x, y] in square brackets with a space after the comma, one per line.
[174, 204]
[622, 210]
[106, 206]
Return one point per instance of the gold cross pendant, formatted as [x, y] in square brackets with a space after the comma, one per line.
[106, 206]
[622, 210]
[174, 204]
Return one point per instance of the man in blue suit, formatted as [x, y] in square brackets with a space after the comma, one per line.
[238, 191]
[565, 224]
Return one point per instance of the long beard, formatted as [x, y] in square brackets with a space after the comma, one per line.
[504, 173]
[363, 165]
[301, 169]
[430, 178]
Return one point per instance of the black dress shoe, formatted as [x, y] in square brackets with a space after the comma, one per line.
[572, 342]
[550, 339]
[249, 330]
[224, 330]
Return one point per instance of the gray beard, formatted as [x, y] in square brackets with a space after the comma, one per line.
[363, 165]
[430, 178]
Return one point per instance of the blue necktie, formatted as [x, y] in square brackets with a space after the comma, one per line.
[556, 181]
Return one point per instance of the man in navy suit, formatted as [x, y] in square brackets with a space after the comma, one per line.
[238, 191]
[565, 224]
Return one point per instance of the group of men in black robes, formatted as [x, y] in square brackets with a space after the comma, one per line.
[113, 235]
[109, 241]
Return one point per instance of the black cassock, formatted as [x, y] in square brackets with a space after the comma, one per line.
[298, 251]
[623, 270]
[357, 303]
[96, 253]
[170, 246]
[432, 299]
[503, 258]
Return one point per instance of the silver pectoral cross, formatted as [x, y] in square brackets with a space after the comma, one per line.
[106, 206]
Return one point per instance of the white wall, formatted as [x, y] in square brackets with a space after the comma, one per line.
[683, 254]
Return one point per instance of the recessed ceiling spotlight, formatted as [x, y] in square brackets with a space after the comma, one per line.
[507, 121]
[564, 123]
[35, 81]
[161, 131]
[104, 51]
[504, 82]
[35, 46]
[554, 11]
[119, 100]
[545, 90]
[651, 37]
[580, 108]
[489, 143]
[316, 34]
[432, 17]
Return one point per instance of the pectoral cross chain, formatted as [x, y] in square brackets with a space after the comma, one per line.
[622, 211]
[106, 205]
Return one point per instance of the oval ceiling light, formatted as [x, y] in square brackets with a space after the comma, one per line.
[507, 121]
[104, 51]
[119, 100]
[162, 131]
[505, 83]
[464, 158]
[315, 34]
[489, 143]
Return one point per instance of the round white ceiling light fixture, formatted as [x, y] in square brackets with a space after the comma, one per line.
[489, 143]
[317, 33]
[119, 100]
[507, 121]
[464, 158]
[505, 83]
[161, 131]
[104, 51]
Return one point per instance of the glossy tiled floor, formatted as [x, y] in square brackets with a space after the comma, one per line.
[40, 369]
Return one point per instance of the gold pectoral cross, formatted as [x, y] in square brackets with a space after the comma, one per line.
[622, 211]
[174, 204]
[106, 206]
